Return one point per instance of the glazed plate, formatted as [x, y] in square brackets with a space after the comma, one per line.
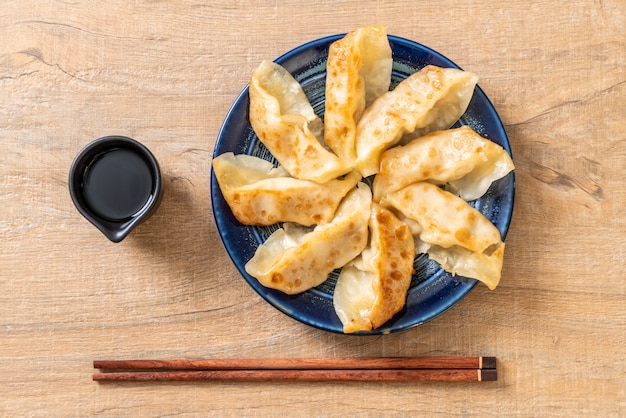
[432, 291]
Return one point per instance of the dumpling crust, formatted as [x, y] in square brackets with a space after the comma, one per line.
[458, 157]
[429, 100]
[486, 267]
[286, 124]
[373, 288]
[358, 71]
[295, 262]
[459, 237]
[259, 194]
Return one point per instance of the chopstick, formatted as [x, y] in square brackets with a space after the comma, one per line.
[372, 369]
[448, 362]
[354, 375]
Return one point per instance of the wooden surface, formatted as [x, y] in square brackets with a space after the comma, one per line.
[165, 73]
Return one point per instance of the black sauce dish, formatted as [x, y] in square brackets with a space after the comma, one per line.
[115, 183]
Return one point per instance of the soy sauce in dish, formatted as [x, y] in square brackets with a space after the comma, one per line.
[117, 184]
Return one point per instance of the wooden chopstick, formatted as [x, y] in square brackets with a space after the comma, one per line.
[372, 375]
[383, 369]
[449, 362]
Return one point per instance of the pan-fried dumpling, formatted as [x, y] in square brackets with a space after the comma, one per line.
[357, 72]
[260, 194]
[461, 238]
[373, 288]
[431, 99]
[293, 259]
[486, 267]
[286, 124]
[460, 158]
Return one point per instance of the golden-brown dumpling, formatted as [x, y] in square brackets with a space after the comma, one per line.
[294, 259]
[357, 72]
[457, 235]
[460, 158]
[286, 124]
[373, 288]
[260, 194]
[429, 100]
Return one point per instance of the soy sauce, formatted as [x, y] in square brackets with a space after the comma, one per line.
[117, 184]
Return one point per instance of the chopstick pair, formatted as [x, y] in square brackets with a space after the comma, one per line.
[365, 369]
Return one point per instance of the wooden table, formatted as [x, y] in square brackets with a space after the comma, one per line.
[165, 73]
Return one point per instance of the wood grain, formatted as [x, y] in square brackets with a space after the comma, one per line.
[165, 73]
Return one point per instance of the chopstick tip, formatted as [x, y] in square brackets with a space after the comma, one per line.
[488, 363]
[488, 375]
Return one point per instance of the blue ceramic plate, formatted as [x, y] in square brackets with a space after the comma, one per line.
[432, 290]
